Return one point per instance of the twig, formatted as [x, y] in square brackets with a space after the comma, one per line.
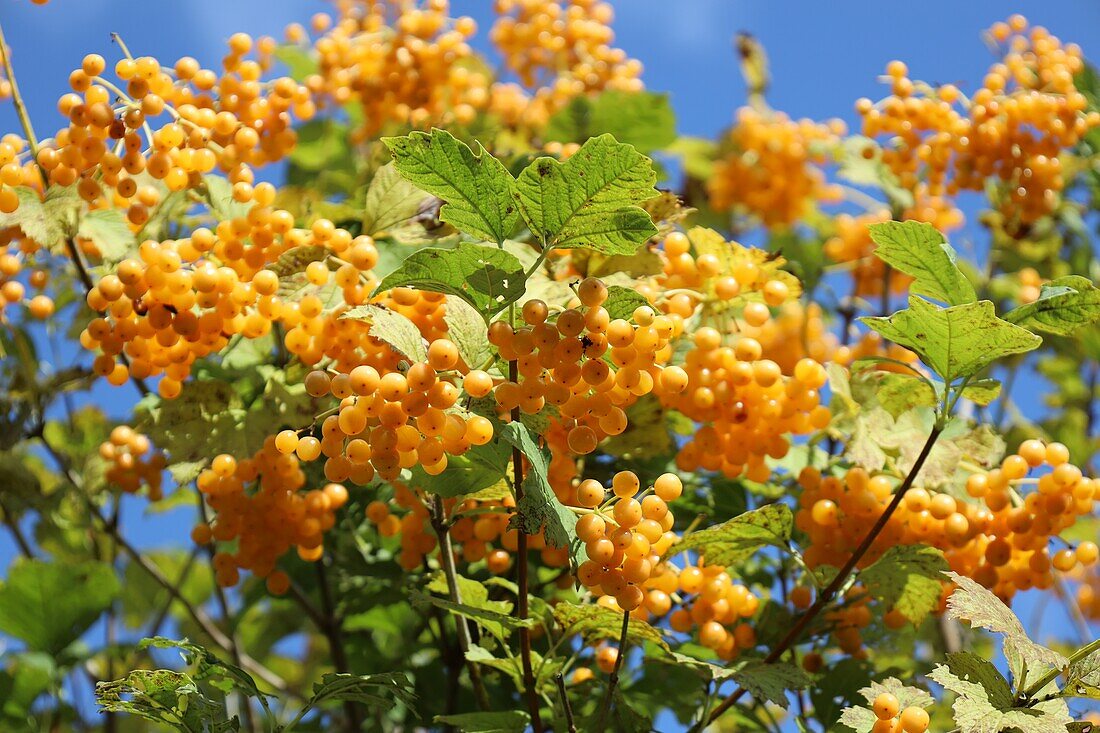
[227, 616]
[162, 615]
[613, 680]
[17, 98]
[570, 725]
[16, 532]
[1080, 624]
[447, 560]
[827, 595]
[522, 580]
[197, 614]
[334, 633]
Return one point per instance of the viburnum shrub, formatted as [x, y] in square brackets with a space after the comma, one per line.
[479, 424]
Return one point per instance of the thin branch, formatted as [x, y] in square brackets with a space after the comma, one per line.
[570, 725]
[827, 595]
[334, 632]
[447, 560]
[198, 615]
[522, 580]
[12, 524]
[1080, 623]
[17, 98]
[227, 618]
[613, 681]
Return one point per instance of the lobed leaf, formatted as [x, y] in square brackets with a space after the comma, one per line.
[919, 250]
[476, 187]
[908, 578]
[976, 604]
[487, 278]
[956, 342]
[393, 328]
[735, 540]
[591, 200]
[1064, 305]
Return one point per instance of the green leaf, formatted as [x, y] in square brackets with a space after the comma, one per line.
[144, 596]
[976, 604]
[956, 342]
[47, 220]
[391, 200]
[920, 251]
[623, 301]
[511, 721]
[984, 702]
[1064, 305]
[108, 231]
[597, 623]
[591, 199]
[908, 578]
[1083, 676]
[475, 185]
[540, 507]
[38, 604]
[374, 690]
[393, 328]
[487, 278]
[479, 468]
[771, 682]
[734, 540]
[25, 677]
[862, 718]
[982, 391]
[322, 144]
[164, 696]
[642, 119]
[221, 675]
[466, 328]
[496, 622]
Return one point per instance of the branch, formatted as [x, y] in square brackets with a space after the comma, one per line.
[522, 581]
[570, 725]
[613, 682]
[827, 595]
[16, 532]
[447, 560]
[197, 614]
[333, 632]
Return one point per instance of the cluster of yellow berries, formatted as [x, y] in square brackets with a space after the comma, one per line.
[232, 121]
[563, 363]
[392, 420]
[16, 169]
[1001, 539]
[398, 64]
[560, 50]
[626, 535]
[892, 719]
[260, 504]
[22, 265]
[132, 462]
[173, 304]
[1012, 130]
[773, 170]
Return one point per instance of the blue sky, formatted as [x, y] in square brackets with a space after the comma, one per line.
[823, 56]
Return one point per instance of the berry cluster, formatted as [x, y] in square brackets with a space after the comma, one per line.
[1012, 131]
[260, 504]
[133, 462]
[398, 64]
[773, 170]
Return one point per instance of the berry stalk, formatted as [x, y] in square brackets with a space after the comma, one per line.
[826, 596]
